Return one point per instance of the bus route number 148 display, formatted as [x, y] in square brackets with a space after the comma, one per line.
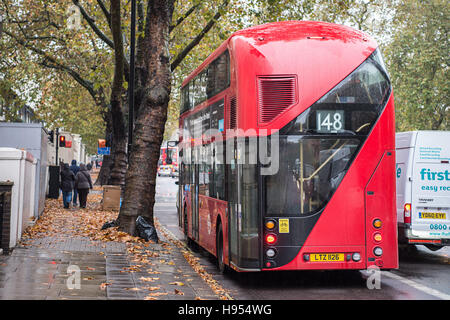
[330, 121]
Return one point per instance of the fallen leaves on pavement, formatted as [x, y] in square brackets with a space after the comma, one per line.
[76, 222]
[179, 292]
[194, 262]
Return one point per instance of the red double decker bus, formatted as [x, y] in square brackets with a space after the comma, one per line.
[287, 151]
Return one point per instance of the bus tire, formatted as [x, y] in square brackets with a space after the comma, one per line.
[219, 250]
[185, 222]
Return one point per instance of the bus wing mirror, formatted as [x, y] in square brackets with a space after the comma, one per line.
[172, 143]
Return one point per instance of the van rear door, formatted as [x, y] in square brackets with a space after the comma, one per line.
[430, 217]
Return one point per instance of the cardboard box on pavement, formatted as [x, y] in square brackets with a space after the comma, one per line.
[111, 198]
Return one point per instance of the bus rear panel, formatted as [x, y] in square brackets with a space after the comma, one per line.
[299, 172]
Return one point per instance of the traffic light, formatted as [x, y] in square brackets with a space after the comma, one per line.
[62, 141]
[51, 136]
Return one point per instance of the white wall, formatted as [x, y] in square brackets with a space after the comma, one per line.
[17, 166]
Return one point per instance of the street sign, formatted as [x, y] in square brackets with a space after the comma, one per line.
[101, 143]
[104, 151]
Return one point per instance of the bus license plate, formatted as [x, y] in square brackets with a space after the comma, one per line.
[327, 257]
[432, 215]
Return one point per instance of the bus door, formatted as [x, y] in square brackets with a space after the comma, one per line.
[194, 192]
[231, 164]
[243, 206]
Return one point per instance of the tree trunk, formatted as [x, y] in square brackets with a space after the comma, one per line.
[107, 163]
[139, 196]
[119, 137]
[118, 167]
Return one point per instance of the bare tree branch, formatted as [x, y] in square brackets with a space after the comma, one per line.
[92, 24]
[198, 38]
[182, 18]
[52, 62]
[105, 12]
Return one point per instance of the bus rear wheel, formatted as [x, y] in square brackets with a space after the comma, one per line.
[185, 221]
[219, 250]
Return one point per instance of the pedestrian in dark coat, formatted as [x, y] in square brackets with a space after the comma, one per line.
[83, 183]
[75, 170]
[67, 179]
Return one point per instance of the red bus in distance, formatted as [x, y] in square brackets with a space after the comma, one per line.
[287, 155]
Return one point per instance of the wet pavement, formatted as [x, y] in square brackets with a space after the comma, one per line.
[78, 268]
[67, 267]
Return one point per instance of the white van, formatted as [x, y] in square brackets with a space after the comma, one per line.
[423, 187]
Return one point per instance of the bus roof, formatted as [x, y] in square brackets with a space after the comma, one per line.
[285, 31]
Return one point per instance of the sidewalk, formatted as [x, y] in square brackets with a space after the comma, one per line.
[66, 256]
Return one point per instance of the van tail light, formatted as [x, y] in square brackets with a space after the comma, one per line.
[407, 213]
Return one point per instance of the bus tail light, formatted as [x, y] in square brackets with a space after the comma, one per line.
[377, 237]
[270, 225]
[271, 239]
[377, 223]
[407, 213]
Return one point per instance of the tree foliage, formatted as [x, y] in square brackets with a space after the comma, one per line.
[47, 59]
[418, 60]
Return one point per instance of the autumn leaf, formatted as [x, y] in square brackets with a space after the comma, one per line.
[157, 294]
[148, 279]
[151, 288]
[104, 285]
[179, 292]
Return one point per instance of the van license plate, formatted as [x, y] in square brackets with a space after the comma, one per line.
[327, 257]
[432, 215]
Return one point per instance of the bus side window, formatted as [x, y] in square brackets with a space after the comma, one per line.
[219, 173]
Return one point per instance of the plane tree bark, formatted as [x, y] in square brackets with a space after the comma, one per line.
[151, 116]
[119, 161]
[153, 87]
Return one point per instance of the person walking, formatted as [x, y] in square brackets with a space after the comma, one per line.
[67, 179]
[74, 168]
[83, 183]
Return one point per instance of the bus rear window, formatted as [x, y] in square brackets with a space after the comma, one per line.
[352, 107]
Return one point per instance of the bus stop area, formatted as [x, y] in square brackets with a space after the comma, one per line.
[64, 255]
